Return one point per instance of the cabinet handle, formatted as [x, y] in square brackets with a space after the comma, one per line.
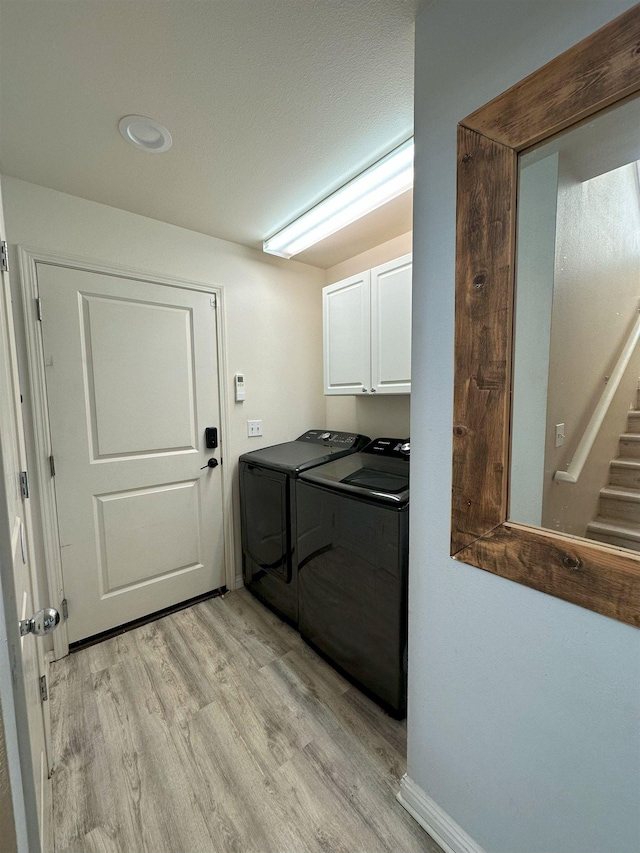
[373, 390]
[364, 390]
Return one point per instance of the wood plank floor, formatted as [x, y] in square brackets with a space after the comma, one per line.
[218, 729]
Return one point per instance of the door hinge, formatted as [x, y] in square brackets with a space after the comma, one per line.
[4, 256]
[64, 606]
[24, 484]
[52, 466]
[214, 301]
[44, 693]
[39, 307]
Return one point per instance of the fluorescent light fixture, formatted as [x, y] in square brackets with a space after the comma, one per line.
[381, 182]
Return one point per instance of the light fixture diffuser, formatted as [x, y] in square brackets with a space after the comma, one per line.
[377, 185]
[145, 133]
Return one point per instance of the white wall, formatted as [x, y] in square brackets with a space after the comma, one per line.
[273, 308]
[523, 709]
[370, 415]
[538, 196]
[387, 251]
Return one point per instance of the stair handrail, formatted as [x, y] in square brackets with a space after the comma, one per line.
[593, 427]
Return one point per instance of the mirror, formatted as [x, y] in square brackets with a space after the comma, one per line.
[576, 366]
[500, 521]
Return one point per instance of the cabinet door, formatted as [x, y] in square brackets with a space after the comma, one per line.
[391, 327]
[346, 317]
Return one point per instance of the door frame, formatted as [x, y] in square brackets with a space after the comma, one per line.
[29, 831]
[29, 258]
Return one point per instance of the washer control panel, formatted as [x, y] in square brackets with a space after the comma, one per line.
[346, 440]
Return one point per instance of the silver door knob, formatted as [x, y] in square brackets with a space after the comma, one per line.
[44, 622]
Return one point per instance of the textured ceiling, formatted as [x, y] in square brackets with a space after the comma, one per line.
[272, 104]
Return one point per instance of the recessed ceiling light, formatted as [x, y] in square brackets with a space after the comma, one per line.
[145, 133]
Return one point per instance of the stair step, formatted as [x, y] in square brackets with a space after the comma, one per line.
[630, 445]
[620, 504]
[633, 421]
[615, 533]
[625, 472]
[620, 494]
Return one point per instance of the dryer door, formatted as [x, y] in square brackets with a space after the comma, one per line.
[266, 517]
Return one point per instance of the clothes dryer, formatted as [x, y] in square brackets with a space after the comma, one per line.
[353, 556]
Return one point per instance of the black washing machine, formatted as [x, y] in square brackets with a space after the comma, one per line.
[268, 479]
[353, 555]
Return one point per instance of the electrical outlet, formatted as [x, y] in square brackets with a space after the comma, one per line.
[254, 428]
[559, 435]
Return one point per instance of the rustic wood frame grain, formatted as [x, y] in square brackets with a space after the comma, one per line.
[600, 71]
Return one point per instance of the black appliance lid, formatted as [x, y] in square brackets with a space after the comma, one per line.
[379, 473]
[312, 448]
[369, 478]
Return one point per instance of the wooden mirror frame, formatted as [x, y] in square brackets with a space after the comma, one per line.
[596, 73]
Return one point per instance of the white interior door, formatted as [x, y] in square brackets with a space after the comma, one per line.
[132, 383]
[15, 529]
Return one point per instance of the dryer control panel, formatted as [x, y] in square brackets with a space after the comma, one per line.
[397, 448]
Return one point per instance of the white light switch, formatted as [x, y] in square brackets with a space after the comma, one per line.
[559, 435]
[254, 428]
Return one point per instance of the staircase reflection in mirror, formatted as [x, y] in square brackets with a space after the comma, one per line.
[575, 462]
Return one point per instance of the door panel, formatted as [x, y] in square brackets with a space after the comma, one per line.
[153, 383]
[148, 533]
[132, 383]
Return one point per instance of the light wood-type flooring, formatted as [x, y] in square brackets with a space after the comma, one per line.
[218, 729]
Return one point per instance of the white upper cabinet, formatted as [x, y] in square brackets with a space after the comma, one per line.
[367, 331]
[346, 311]
[391, 327]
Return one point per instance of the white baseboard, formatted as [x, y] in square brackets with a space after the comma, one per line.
[451, 837]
